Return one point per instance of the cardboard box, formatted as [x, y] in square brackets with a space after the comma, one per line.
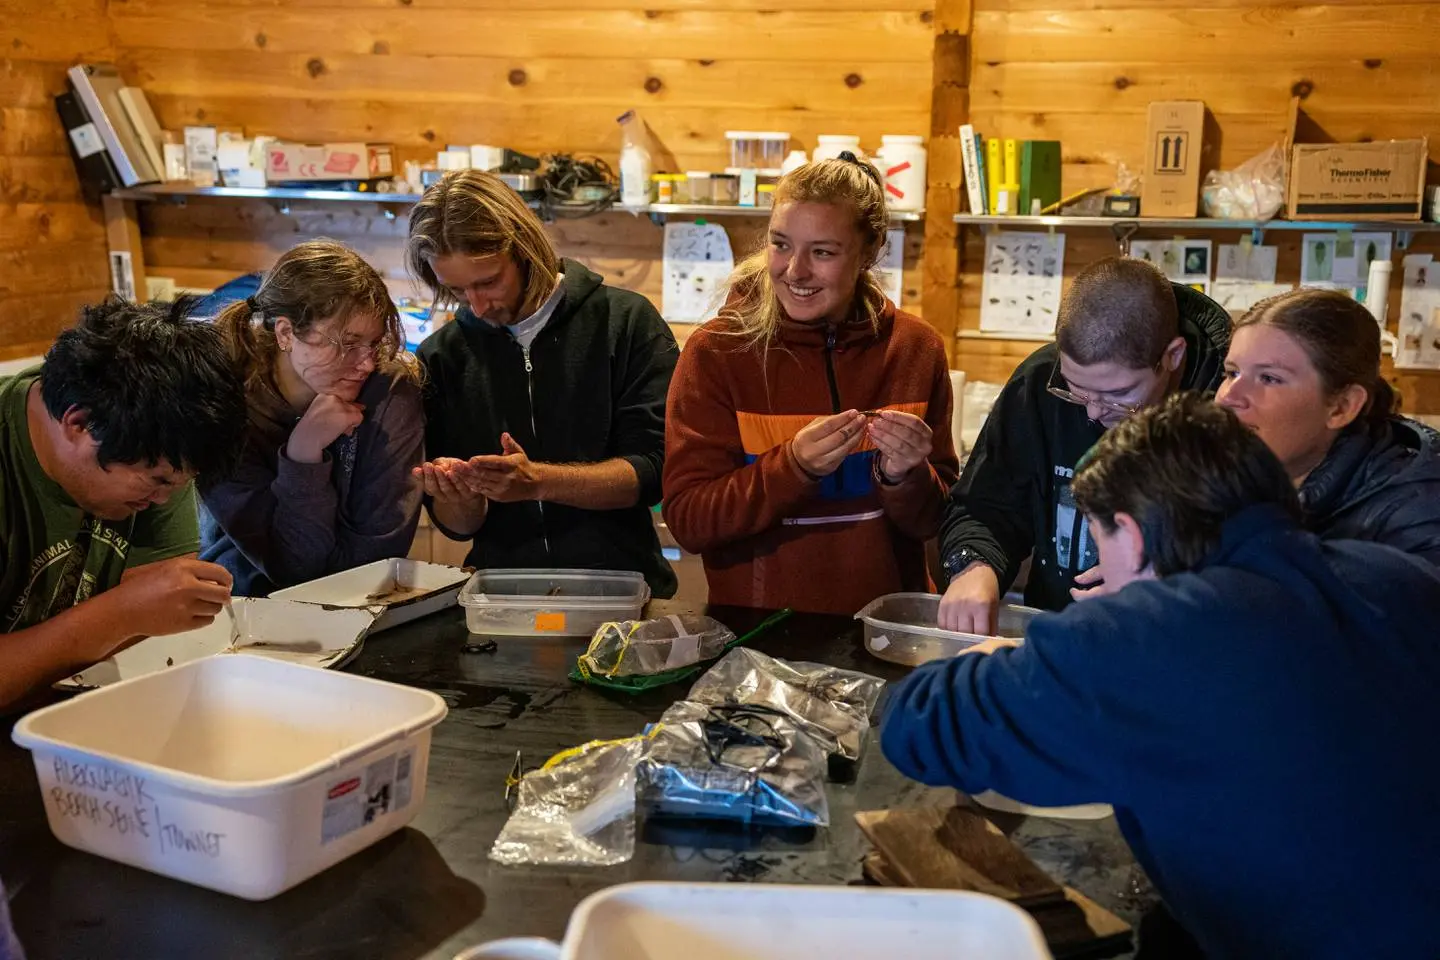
[329, 161]
[1174, 159]
[1384, 180]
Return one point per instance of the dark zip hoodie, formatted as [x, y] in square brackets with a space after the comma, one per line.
[591, 388]
[1013, 498]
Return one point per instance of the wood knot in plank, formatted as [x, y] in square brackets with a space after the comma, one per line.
[380, 48]
[653, 85]
[1122, 83]
[315, 67]
[1373, 64]
[1302, 89]
[517, 77]
[853, 80]
[261, 40]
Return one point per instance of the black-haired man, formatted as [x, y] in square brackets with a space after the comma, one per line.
[1254, 703]
[97, 512]
[1125, 338]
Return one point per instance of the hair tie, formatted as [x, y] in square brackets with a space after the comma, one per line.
[257, 315]
[866, 166]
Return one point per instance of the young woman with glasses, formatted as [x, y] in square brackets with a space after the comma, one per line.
[335, 426]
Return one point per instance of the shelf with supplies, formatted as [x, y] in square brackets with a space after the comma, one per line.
[1125, 228]
[659, 212]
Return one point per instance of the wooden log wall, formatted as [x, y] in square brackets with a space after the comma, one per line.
[52, 245]
[542, 76]
[1083, 73]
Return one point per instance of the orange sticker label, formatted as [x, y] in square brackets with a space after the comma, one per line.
[549, 623]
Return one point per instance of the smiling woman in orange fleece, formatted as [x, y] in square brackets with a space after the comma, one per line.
[807, 446]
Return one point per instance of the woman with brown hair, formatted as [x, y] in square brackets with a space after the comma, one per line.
[335, 426]
[544, 399]
[808, 445]
[1303, 372]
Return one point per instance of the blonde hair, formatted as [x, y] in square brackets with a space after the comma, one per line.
[475, 214]
[311, 283]
[754, 311]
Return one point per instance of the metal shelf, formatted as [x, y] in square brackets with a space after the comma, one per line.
[660, 211]
[181, 191]
[1126, 227]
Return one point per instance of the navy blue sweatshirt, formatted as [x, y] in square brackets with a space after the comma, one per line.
[1261, 726]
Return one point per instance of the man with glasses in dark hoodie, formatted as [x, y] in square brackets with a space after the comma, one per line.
[1126, 338]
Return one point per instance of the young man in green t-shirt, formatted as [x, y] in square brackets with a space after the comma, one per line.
[98, 525]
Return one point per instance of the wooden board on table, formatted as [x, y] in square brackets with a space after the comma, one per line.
[955, 848]
[1074, 927]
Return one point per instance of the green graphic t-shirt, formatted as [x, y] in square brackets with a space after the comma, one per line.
[54, 555]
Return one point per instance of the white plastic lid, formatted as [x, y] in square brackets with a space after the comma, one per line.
[750, 135]
[837, 138]
[697, 174]
[898, 138]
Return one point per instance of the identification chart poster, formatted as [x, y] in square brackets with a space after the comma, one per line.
[1341, 261]
[1020, 293]
[1183, 261]
[1245, 275]
[889, 269]
[697, 260]
[1420, 314]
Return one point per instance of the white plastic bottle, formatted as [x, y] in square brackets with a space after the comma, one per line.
[902, 161]
[634, 164]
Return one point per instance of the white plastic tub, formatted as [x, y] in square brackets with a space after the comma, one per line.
[246, 775]
[401, 589]
[557, 603]
[764, 921]
[297, 632]
[901, 628]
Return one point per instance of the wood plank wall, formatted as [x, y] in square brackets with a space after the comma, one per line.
[52, 245]
[540, 76]
[1084, 72]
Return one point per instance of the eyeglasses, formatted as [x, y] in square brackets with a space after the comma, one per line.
[1056, 387]
[356, 352]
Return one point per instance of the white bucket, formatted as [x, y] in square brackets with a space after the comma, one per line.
[246, 775]
[902, 161]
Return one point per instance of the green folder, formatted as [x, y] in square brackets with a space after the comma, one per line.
[1039, 174]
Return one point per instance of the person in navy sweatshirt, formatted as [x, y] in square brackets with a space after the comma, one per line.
[1253, 702]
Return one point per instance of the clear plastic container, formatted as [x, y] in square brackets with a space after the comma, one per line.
[555, 603]
[725, 188]
[757, 151]
[698, 187]
[901, 628]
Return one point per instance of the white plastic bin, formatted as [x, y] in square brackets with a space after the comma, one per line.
[246, 775]
[400, 588]
[767, 921]
[901, 628]
[557, 603]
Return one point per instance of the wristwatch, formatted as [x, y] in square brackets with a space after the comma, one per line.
[957, 560]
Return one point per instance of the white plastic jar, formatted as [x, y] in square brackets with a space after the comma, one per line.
[902, 161]
[829, 146]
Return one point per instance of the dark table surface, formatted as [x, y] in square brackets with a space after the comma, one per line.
[429, 890]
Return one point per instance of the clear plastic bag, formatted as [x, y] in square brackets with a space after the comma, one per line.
[747, 763]
[830, 704]
[577, 810]
[647, 647]
[1255, 190]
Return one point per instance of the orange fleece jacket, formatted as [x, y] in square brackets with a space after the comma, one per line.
[769, 536]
